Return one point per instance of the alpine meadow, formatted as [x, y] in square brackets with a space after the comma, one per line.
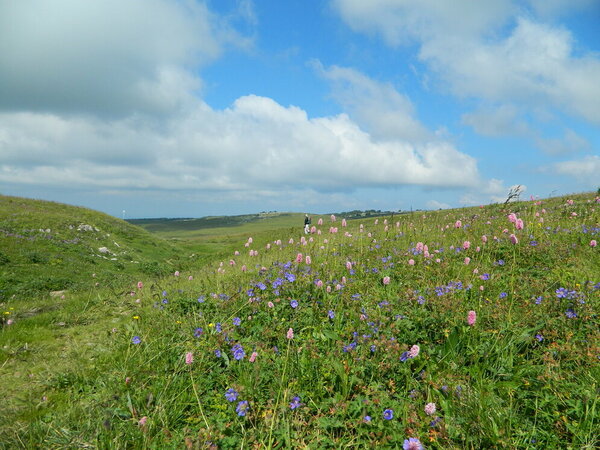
[463, 328]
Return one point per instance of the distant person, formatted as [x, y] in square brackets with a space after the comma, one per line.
[306, 224]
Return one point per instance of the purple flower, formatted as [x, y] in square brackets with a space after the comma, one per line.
[241, 408]
[231, 395]
[367, 419]
[331, 314]
[198, 332]
[237, 321]
[412, 444]
[218, 327]
[538, 300]
[503, 294]
[238, 352]
[136, 340]
[218, 353]
[570, 313]
[294, 304]
[295, 403]
[539, 337]
[388, 414]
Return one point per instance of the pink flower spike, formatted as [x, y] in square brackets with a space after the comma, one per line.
[467, 261]
[189, 358]
[411, 262]
[176, 273]
[514, 239]
[458, 224]
[253, 357]
[140, 285]
[142, 421]
[466, 245]
[308, 260]
[320, 221]
[299, 258]
[593, 243]
[519, 224]
[430, 409]
[471, 318]
[386, 280]
[290, 333]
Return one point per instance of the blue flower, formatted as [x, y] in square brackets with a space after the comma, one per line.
[295, 403]
[294, 304]
[570, 313]
[503, 294]
[198, 332]
[136, 340]
[201, 299]
[237, 321]
[218, 327]
[231, 395]
[218, 353]
[241, 408]
[238, 352]
[367, 419]
[538, 300]
[412, 444]
[388, 414]
[261, 286]
[539, 337]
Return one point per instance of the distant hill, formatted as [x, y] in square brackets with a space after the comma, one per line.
[47, 246]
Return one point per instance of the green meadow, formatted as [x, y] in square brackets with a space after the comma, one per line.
[466, 328]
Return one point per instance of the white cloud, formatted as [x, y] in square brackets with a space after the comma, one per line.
[585, 169]
[464, 43]
[111, 58]
[256, 144]
[495, 122]
[377, 106]
[434, 204]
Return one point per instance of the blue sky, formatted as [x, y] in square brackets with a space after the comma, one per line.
[184, 108]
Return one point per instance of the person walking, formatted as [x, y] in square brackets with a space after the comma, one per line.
[306, 224]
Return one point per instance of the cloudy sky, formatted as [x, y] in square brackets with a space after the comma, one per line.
[185, 108]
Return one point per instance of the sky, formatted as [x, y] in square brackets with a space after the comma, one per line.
[189, 108]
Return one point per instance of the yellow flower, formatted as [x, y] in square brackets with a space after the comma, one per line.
[179, 321]
[136, 317]
[210, 325]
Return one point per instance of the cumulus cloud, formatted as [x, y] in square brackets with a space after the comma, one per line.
[377, 106]
[466, 45]
[585, 169]
[111, 58]
[255, 144]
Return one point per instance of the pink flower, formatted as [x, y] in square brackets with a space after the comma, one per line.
[430, 409]
[270, 305]
[328, 289]
[348, 265]
[593, 243]
[143, 421]
[253, 357]
[249, 240]
[344, 223]
[236, 253]
[319, 283]
[411, 262]
[514, 239]
[299, 258]
[466, 245]
[189, 358]
[308, 260]
[512, 217]
[471, 318]
[176, 273]
[190, 278]
[467, 260]
[519, 224]
[333, 218]
[140, 285]
[244, 268]
[458, 224]
[9, 322]
[127, 380]
[484, 238]
[386, 280]
[290, 333]
[414, 351]
[320, 221]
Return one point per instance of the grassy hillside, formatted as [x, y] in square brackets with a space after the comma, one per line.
[470, 328]
[46, 246]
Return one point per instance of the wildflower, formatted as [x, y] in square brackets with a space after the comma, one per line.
[238, 352]
[231, 395]
[176, 273]
[388, 414]
[411, 262]
[570, 313]
[143, 421]
[467, 261]
[593, 243]
[539, 337]
[136, 340]
[513, 239]
[270, 304]
[466, 245]
[242, 408]
[414, 351]
[503, 294]
[290, 333]
[189, 358]
[237, 321]
[294, 304]
[538, 300]
[140, 285]
[348, 265]
[519, 224]
[299, 258]
[386, 280]
[295, 403]
[412, 444]
[471, 318]
[331, 314]
[253, 357]
[458, 224]
[367, 419]
[308, 260]
[430, 409]
[218, 353]
[198, 332]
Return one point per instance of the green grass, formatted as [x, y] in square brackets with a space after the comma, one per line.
[524, 375]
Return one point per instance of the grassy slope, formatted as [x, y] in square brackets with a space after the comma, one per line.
[46, 246]
[63, 369]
